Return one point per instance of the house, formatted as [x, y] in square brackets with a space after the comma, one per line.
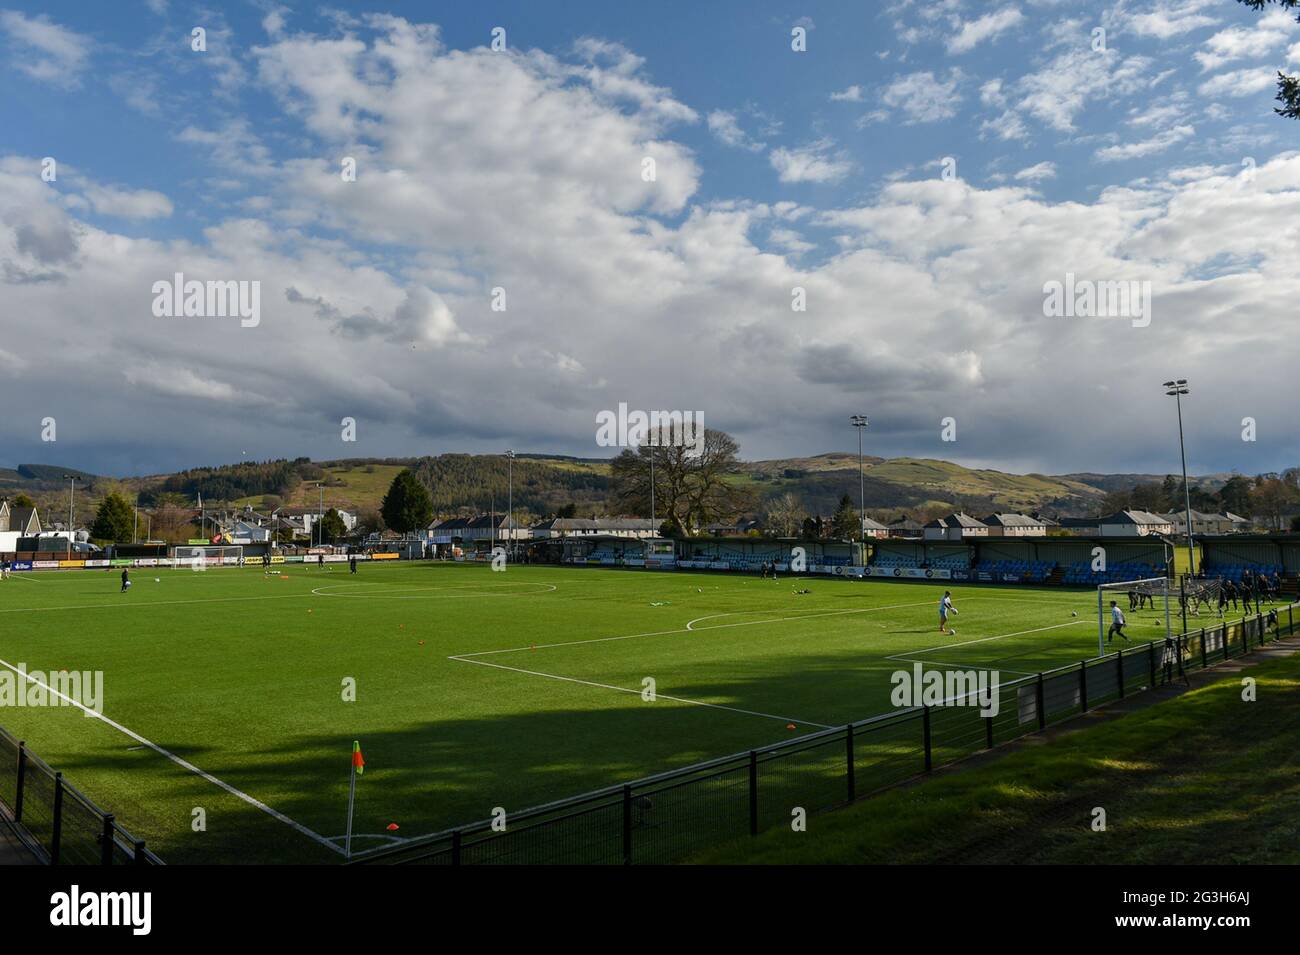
[1081, 526]
[1201, 523]
[1052, 525]
[741, 528]
[633, 527]
[874, 529]
[1134, 524]
[954, 527]
[485, 527]
[1015, 525]
[905, 527]
[1239, 523]
[23, 520]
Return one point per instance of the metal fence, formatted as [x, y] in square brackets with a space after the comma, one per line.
[55, 819]
[666, 817]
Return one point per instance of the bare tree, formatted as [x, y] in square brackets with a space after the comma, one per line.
[690, 489]
[785, 515]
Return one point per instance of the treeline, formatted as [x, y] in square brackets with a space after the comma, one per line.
[231, 481]
[476, 482]
[1271, 497]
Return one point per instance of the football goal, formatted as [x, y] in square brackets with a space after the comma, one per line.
[200, 557]
[1133, 596]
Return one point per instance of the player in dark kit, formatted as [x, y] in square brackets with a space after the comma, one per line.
[126, 581]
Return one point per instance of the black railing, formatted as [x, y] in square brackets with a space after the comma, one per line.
[55, 820]
[666, 817]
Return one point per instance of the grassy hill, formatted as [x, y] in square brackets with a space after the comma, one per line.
[543, 483]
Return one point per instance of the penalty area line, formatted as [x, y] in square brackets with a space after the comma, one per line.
[184, 764]
[658, 696]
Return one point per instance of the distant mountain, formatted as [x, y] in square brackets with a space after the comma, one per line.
[545, 483]
[1123, 482]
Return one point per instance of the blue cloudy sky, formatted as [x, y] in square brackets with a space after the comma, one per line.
[920, 171]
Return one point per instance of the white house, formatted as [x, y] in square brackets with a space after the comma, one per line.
[1015, 525]
[634, 527]
[954, 527]
[1134, 524]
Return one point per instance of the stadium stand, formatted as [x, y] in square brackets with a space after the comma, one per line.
[1081, 573]
[1234, 572]
[1035, 571]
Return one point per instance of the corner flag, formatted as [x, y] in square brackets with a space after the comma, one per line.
[358, 767]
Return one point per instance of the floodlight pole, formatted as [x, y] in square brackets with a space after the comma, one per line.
[653, 442]
[510, 498]
[1177, 389]
[72, 489]
[860, 422]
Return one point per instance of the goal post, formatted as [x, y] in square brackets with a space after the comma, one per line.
[200, 556]
[1131, 595]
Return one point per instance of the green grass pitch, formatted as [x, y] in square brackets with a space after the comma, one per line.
[474, 689]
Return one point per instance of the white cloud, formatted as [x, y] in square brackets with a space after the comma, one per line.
[1238, 83]
[1147, 147]
[44, 50]
[815, 162]
[127, 203]
[1055, 94]
[987, 27]
[1172, 18]
[726, 128]
[1254, 42]
[851, 94]
[924, 97]
[1039, 172]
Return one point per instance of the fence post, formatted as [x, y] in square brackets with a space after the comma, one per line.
[925, 732]
[57, 835]
[1083, 686]
[1205, 659]
[988, 732]
[1119, 663]
[753, 792]
[1038, 702]
[1290, 621]
[1151, 655]
[627, 825]
[106, 841]
[22, 774]
[140, 858]
[848, 752]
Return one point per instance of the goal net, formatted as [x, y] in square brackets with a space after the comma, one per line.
[1146, 608]
[201, 557]
[1201, 596]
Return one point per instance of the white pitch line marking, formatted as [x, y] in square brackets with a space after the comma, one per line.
[660, 696]
[184, 764]
[910, 655]
[687, 629]
[153, 603]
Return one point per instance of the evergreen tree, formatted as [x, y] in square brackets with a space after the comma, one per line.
[332, 528]
[114, 521]
[407, 505]
[845, 524]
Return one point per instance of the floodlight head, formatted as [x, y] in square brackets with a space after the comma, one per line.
[1168, 384]
[859, 420]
